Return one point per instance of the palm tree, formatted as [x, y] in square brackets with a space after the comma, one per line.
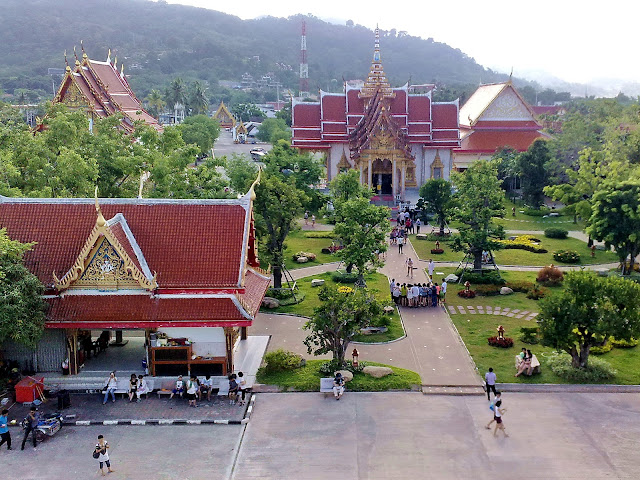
[198, 100]
[155, 103]
[176, 95]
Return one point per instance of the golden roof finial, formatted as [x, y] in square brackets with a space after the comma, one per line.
[84, 54]
[252, 191]
[100, 221]
[122, 69]
[510, 76]
[75, 54]
[109, 56]
[115, 62]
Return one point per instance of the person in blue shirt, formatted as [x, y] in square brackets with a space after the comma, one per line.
[4, 429]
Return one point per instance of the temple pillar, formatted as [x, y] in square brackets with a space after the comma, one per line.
[243, 333]
[394, 179]
[403, 178]
[369, 173]
[361, 174]
[328, 165]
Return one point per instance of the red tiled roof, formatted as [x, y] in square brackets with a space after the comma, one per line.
[490, 141]
[142, 311]
[188, 244]
[445, 115]
[255, 286]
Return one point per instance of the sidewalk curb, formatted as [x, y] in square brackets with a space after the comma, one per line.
[566, 388]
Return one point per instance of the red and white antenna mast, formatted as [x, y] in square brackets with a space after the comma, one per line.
[304, 66]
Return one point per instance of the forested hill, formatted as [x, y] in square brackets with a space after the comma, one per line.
[157, 42]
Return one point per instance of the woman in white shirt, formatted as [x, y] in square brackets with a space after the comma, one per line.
[110, 388]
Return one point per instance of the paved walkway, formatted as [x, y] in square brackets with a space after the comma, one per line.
[506, 312]
[432, 346]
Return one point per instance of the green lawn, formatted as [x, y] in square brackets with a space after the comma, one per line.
[375, 281]
[520, 257]
[307, 379]
[526, 222]
[297, 242]
[475, 329]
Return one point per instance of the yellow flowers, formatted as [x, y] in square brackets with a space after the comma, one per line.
[344, 289]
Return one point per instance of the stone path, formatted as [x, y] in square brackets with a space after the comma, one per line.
[481, 310]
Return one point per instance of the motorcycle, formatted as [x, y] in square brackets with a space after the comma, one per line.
[48, 425]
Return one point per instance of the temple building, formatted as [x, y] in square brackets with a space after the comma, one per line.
[180, 276]
[224, 117]
[397, 140]
[495, 117]
[100, 90]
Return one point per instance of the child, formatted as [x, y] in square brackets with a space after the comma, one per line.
[179, 389]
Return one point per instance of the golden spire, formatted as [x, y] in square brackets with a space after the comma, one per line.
[377, 80]
[84, 54]
[100, 221]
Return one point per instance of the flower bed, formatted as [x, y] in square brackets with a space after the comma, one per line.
[567, 256]
[467, 294]
[506, 342]
[437, 251]
[524, 242]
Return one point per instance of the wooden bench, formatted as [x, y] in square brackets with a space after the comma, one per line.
[166, 388]
[326, 386]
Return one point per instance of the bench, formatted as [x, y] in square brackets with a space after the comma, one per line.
[326, 386]
[166, 388]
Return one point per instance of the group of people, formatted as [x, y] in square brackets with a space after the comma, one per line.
[525, 364]
[419, 294]
[495, 406]
[405, 221]
[30, 423]
[137, 387]
[195, 389]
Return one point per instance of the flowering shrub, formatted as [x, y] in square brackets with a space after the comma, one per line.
[467, 294]
[437, 251]
[488, 290]
[505, 342]
[524, 242]
[567, 256]
[345, 289]
[309, 255]
[537, 293]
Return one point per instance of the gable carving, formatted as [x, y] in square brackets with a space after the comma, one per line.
[507, 106]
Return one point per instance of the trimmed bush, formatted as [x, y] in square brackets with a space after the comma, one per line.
[437, 251]
[597, 371]
[281, 360]
[537, 212]
[319, 234]
[309, 255]
[529, 335]
[521, 286]
[550, 276]
[329, 368]
[601, 349]
[556, 233]
[487, 290]
[484, 278]
[622, 343]
[567, 256]
[505, 342]
[537, 293]
[467, 294]
[344, 277]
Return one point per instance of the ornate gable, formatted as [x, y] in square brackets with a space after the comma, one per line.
[224, 117]
[508, 105]
[104, 264]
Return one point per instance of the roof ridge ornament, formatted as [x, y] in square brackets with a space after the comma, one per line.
[376, 80]
[100, 221]
[252, 191]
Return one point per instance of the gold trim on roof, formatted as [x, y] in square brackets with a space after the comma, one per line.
[94, 242]
[224, 111]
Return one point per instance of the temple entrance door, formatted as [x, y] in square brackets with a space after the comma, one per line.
[382, 178]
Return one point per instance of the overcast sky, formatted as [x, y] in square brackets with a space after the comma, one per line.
[577, 41]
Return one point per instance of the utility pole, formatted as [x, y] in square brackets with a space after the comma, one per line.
[304, 66]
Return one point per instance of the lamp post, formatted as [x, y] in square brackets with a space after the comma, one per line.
[355, 354]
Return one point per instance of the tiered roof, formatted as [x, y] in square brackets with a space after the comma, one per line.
[377, 80]
[224, 117]
[99, 88]
[153, 263]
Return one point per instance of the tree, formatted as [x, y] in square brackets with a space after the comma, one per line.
[615, 219]
[272, 130]
[22, 310]
[200, 130]
[346, 186]
[363, 229]
[339, 318]
[508, 167]
[155, 103]
[278, 203]
[436, 196]
[198, 100]
[246, 111]
[241, 173]
[587, 312]
[478, 198]
[533, 173]
[285, 113]
[177, 94]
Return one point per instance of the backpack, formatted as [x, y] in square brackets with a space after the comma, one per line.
[492, 407]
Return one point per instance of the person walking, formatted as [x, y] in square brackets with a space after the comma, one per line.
[102, 449]
[4, 429]
[492, 407]
[392, 284]
[409, 264]
[313, 221]
[31, 423]
[443, 291]
[306, 217]
[490, 381]
[400, 244]
[418, 224]
[110, 388]
[497, 415]
[431, 268]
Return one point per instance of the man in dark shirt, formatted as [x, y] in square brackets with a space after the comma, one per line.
[32, 421]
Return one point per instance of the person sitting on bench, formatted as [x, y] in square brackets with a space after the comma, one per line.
[338, 386]
[179, 388]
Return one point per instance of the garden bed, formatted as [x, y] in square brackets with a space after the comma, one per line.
[298, 242]
[307, 379]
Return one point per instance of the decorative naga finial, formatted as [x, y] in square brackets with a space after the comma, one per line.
[122, 69]
[66, 62]
[75, 54]
[84, 54]
[115, 63]
[511, 75]
[252, 191]
[109, 56]
[100, 221]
